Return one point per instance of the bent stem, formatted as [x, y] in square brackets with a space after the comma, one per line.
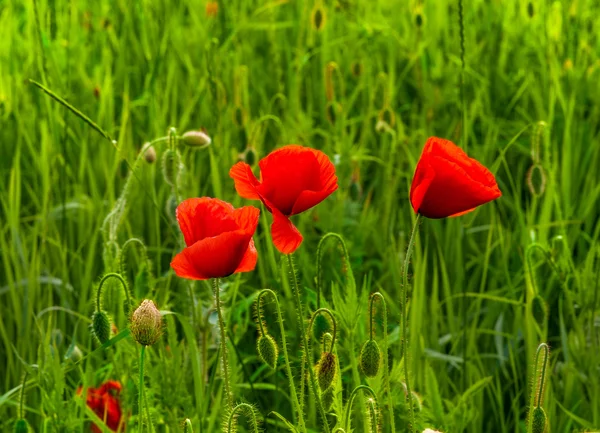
[386, 374]
[242, 408]
[224, 353]
[99, 292]
[311, 373]
[288, 367]
[351, 400]
[404, 301]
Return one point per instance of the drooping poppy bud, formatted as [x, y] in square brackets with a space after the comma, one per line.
[267, 350]
[101, 326]
[21, 426]
[146, 323]
[449, 183]
[196, 139]
[150, 154]
[370, 358]
[538, 424]
[293, 179]
[326, 370]
[218, 238]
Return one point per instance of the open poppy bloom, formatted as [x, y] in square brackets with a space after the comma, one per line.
[292, 179]
[105, 403]
[218, 238]
[449, 183]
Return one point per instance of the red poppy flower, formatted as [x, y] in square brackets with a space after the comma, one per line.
[292, 180]
[449, 183]
[218, 238]
[105, 403]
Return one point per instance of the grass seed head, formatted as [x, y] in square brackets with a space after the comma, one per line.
[146, 323]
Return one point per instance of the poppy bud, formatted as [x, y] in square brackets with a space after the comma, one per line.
[267, 350]
[530, 9]
[326, 370]
[171, 165]
[357, 69]
[536, 180]
[146, 323]
[419, 19]
[327, 398]
[318, 17]
[101, 326]
[249, 156]
[149, 154]
[21, 426]
[539, 309]
[196, 139]
[538, 424]
[74, 355]
[370, 358]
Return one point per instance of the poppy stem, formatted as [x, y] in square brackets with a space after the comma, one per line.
[405, 342]
[224, 352]
[288, 367]
[353, 395]
[386, 373]
[141, 391]
[300, 313]
[123, 285]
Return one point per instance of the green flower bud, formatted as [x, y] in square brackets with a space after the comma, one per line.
[539, 422]
[267, 350]
[171, 166]
[146, 323]
[150, 154]
[370, 358]
[326, 370]
[196, 139]
[101, 326]
[21, 426]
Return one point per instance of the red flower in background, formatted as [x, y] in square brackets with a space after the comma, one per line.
[105, 403]
[292, 180]
[449, 183]
[218, 238]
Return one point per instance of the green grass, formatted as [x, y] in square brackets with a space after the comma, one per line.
[258, 75]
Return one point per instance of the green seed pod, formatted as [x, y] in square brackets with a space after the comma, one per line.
[149, 154]
[267, 350]
[370, 358]
[171, 166]
[539, 422]
[146, 323]
[196, 139]
[326, 370]
[21, 426]
[321, 326]
[539, 310]
[101, 326]
[327, 398]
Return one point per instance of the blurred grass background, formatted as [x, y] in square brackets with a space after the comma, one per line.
[367, 83]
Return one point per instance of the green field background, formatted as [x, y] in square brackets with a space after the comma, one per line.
[367, 82]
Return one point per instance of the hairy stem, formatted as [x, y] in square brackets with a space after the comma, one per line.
[141, 391]
[224, 352]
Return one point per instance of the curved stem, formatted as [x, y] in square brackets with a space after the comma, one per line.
[386, 372]
[313, 380]
[312, 321]
[405, 342]
[342, 243]
[540, 391]
[224, 352]
[141, 391]
[371, 315]
[22, 399]
[288, 367]
[102, 281]
[125, 248]
[232, 422]
[351, 400]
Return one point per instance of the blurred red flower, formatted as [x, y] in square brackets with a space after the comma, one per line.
[212, 8]
[218, 238]
[449, 183]
[105, 403]
[292, 180]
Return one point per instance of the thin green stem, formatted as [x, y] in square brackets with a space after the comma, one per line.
[386, 372]
[371, 315]
[540, 391]
[141, 391]
[333, 321]
[22, 399]
[313, 380]
[232, 422]
[288, 367]
[342, 243]
[405, 342]
[102, 281]
[224, 352]
[351, 400]
[125, 249]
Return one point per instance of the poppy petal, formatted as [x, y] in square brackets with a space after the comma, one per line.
[246, 218]
[204, 217]
[424, 175]
[286, 236]
[245, 181]
[248, 262]
[214, 257]
[329, 184]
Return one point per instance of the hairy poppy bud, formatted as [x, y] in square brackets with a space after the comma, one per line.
[101, 326]
[326, 369]
[370, 358]
[538, 424]
[171, 166]
[21, 426]
[327, 398]
[267, 350]
[146, 323]
[149, 154]
[196, 139]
